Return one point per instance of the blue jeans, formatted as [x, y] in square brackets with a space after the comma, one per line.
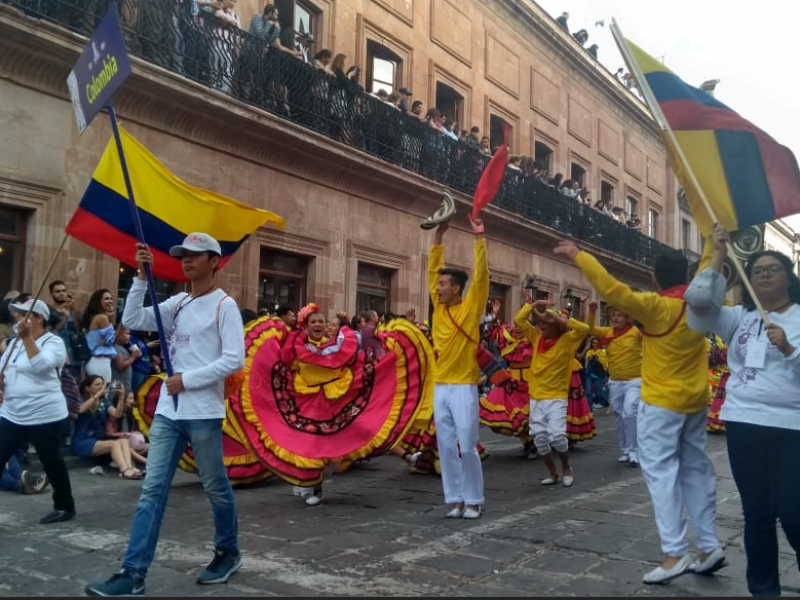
[764, 466]
[596, 391]
[10, 480]
[168, 441]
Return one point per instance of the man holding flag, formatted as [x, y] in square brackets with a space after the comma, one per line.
[205, 344]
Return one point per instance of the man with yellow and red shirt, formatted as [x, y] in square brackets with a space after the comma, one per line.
[671, 427]
[457, 317]
[555, 339]
[623, 344]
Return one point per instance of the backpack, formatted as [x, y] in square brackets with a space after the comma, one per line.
[79, 346]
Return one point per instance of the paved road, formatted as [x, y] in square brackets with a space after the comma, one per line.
[382, 532]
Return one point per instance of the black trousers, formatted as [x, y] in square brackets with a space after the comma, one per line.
[47, 438]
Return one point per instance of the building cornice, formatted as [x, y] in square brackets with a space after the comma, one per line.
[542, 27]
[39, 55]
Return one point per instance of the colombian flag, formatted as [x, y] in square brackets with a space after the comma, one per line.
[747, 177]
[169, 209]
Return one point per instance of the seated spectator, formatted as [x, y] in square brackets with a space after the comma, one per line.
[17, 479]
[91, 438]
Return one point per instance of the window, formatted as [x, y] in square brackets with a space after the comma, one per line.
[631, 207]
[686, 234]
[164, 289]
[282, 280]
[301, 16]
[496, 132]
[384, 68]
[607, 193]
[373, 288]
[577, 173]
[498, 291]
[451, 103]
[304, 18]
[652, 223]
[543, 154]
[602, 314]
[12, 248]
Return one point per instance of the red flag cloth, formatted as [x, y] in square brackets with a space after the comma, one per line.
[491, 178]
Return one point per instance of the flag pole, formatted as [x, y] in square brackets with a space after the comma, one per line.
[137, 224]
[45, 277]
[669, 138]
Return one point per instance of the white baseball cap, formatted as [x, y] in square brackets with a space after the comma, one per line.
[39, 307]
[197, 242]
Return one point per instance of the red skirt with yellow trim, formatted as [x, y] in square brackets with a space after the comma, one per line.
[507, 412]
[302, 407]
[580, 420]
[243, 466]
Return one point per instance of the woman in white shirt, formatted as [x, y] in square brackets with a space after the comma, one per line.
[32, 406]
[762, 404]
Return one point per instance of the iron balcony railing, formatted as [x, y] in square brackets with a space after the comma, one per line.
[198, 45]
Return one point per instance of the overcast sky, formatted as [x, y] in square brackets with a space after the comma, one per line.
[730, 40]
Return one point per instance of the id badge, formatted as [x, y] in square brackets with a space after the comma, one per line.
[756, 355]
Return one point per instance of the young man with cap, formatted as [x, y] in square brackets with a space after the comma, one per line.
[32, 406]
[405, 94]
[205, 341]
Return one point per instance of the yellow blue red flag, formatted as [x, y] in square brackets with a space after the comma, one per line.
[169, 209]
[747, 177]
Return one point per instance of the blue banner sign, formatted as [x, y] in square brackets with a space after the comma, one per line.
[101, 69]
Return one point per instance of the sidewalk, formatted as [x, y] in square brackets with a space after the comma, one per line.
[382, 532]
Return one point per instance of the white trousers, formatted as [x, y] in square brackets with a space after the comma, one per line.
[547, 425]
[679, 476]
[624, 397]
[455, 413]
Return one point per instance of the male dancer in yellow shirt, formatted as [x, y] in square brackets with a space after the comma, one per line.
[623, 344]
[671, 427]
[555, 340]
[457, 316]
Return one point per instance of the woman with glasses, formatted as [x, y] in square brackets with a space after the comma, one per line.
[762, 403]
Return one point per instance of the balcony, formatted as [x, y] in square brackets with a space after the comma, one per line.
[234, 62]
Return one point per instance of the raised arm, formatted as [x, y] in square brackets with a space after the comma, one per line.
[642, 306]
[479, 290]
[436, 261]
[591, 321]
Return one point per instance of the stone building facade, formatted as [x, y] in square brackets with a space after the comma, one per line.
[352, 237]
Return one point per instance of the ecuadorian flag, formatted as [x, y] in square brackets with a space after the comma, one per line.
[169, 209]
[747, 177]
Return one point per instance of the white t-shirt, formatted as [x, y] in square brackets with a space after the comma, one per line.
[761, 392]
[32, 392]
[205, 341]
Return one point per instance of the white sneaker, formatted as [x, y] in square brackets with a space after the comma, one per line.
[455, 513]
[313, 500]
[301, 491]
[715, 561]
[623, 459]
[471, 513]
[414, 458]
[661, 575]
